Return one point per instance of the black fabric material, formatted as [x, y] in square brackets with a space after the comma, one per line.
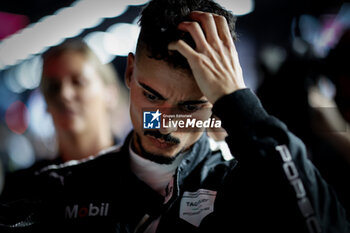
[253, 193]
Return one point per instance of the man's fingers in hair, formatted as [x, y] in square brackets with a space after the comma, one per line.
[182, 47]
[223, 30]
[196, 33]
[208, 25]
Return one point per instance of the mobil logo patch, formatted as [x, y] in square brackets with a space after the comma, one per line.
[88, 210]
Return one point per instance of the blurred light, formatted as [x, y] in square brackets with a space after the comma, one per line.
[327, 88]
[102, 8]
[51, 30]
[273, 57]
[299, 46]
[40, 120]
[29, 73]
[238, 7]
[41, 127]
[333, 28]
[344, 15]
[6, 96]
[329, 35]
[310, 28]
[16, 117]
[24, 76]
[137, 2]
[247, 55]
[11, 82]
[123, 39]
[96, 41]
[20, 151]
[324, 33]
[311, 32]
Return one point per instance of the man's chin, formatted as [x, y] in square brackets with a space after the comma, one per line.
[159, 158]
[167, 153]
[158, 154]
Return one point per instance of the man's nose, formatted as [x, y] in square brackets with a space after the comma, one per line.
[168, 124]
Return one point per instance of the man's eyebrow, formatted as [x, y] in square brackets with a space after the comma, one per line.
[193, 102]
[154, 92]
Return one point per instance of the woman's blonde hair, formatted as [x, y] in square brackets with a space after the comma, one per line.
[107, 73]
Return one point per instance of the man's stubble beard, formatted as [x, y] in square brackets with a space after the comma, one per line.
[158, 158]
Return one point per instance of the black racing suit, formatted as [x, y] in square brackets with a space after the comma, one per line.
[269, 186]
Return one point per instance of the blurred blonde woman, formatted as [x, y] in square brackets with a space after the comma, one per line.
[88, 105]
[81, 95]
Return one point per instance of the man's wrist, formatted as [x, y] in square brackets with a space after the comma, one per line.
[239, 108]
[226, 94]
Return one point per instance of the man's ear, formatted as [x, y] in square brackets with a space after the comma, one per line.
[129, 69]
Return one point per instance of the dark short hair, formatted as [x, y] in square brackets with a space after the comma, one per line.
[159, 21]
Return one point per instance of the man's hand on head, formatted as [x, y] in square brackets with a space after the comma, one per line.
[214, 61]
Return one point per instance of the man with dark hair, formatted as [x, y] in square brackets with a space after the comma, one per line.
[170, 179]
[159, 27]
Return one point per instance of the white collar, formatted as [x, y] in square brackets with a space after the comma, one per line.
[157, 176]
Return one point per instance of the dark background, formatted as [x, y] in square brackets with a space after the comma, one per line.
[273, 23]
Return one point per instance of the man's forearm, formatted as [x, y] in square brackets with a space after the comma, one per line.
[263, 142]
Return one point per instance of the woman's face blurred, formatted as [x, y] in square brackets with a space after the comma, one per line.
[74, 92]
